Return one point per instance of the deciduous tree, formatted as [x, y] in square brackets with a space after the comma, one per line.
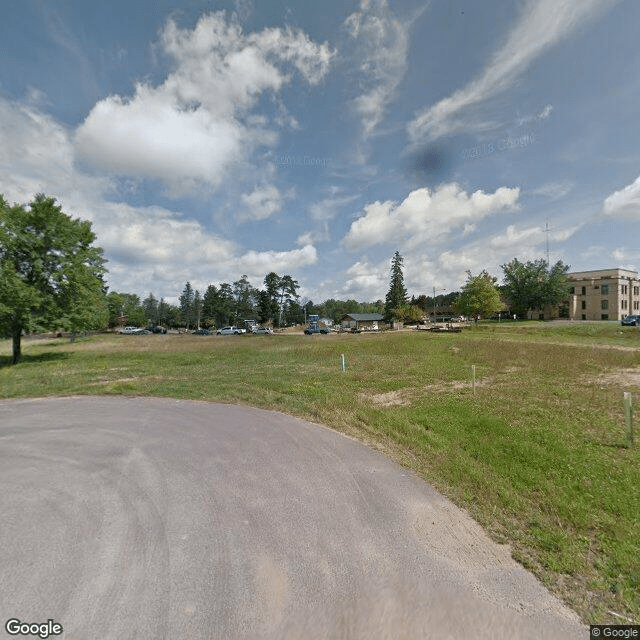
[479, 298]
[50, 271]
[534, 285]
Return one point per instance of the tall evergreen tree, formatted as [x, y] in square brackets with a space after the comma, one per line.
[115, 307]
[164, 312]
[186, 304]
[150, 306]
[397, 294]
[245, 296]
[226, 305]
[288, 294]
[265, 308]
[197, 308]
[272, 284]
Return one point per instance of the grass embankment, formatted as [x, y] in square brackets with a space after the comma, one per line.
[537, 455]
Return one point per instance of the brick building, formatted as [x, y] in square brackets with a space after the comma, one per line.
[608, 294]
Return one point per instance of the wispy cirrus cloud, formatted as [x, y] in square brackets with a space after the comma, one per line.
[543, 24]
[382, 45]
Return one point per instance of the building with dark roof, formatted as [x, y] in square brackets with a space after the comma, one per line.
[363, 321]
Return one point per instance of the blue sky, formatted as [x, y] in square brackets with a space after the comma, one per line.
[209, 139]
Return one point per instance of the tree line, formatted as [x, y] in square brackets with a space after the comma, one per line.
[277, 303]
[52, 276]
[526, 286]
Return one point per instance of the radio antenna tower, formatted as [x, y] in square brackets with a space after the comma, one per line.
[546, 230]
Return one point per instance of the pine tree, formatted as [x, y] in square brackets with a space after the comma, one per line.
[186, 304]
[197, 307]
[397, 294]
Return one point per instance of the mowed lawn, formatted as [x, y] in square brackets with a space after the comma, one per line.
[536, 452]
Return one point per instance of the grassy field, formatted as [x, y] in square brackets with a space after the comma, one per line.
[537, 454]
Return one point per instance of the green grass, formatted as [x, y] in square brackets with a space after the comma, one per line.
[537, 455]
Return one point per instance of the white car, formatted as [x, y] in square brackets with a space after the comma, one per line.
[262, 330]
[230, 331]
[129, 330]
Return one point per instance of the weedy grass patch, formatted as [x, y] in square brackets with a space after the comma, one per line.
[535, 452]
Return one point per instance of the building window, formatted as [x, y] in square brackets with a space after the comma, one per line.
[623, 304]
[636, 305]
[636, 291]
[584, 291]
[624, 289]
[604, 304]
[584, 317]
[605, 290]
[584, 304]
[604, 316]
[572, 290]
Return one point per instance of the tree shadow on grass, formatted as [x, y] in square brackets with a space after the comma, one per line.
[5, 361]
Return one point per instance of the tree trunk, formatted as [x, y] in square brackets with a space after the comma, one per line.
[16, 354]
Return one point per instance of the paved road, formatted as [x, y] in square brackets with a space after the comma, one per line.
[155, 519]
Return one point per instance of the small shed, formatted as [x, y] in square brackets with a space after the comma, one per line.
[362, 321]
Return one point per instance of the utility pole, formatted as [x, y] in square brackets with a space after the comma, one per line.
[434, 302]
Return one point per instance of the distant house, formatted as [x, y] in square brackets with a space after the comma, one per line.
[363, 321]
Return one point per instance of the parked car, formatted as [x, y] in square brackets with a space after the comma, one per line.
[129, 330]
[630, 321]
[262, 330]
[311, 330]
[157, 329]
[230, 331]
[201, 332]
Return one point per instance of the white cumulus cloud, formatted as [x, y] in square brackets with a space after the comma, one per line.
[425, 216]
[624, 203]
[263, 262]
[149, 248]
[199, 122]
[261, 203]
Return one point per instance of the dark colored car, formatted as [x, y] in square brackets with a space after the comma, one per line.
[202, 332]
[157, 329]
[631, 321]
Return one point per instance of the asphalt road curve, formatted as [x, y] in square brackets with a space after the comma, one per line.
[149, 519]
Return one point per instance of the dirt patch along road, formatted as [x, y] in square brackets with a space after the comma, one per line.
[157, 518]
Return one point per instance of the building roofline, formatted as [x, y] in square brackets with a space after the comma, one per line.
[571, 273]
